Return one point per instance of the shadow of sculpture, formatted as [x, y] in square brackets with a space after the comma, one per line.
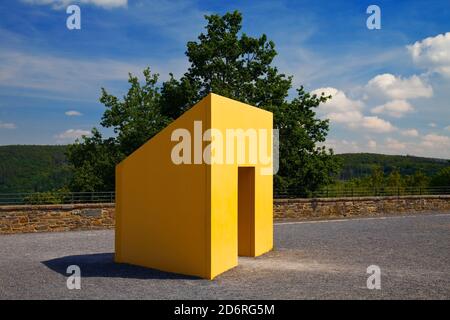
[103, 265]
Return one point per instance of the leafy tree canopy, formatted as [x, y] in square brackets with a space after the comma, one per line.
[442, 178]
[138, 116]
[94, 162]
[229, 63]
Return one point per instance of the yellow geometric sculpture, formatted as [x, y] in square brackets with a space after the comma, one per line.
[199, 193]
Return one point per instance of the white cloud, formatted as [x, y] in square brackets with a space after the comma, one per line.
[394, 145]
[355, 120]
[447, 128]
[72, 134]
[398, 88]
[435, 140]
[410, 133]
[433, 53]
[394, 108]
[342, 146]
[343, 110]
[72, 77]
[432, 125]
[340, 108]
[6, 125]
[339, 101]
[73, 113]
[431, 145]
[351, 118]
[59, 74]
[62, 4]
[375, 124]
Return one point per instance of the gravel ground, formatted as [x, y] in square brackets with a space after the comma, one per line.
[311, 260]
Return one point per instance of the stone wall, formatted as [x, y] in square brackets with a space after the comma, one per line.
[302, 209]
[49, 218]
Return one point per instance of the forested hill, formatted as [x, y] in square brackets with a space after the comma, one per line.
[30, 168]
[356, 165]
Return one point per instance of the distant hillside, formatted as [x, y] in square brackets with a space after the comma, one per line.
[357, 165]
[29, 168]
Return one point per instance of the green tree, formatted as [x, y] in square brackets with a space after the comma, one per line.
[418, 180]
[395, 182]
[227, 63]
[138, 116]
[94, 160]
[134, 119]
[376, 181]
[230, 63]
[304, 166]
[237, 66]
[442, 178]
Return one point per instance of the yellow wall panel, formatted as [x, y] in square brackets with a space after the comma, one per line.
[184, 218]
[230, 114]
[161, 206]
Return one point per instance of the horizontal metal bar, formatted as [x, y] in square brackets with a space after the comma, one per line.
[328, 192]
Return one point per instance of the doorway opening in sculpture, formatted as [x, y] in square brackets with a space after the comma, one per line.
[246, 211]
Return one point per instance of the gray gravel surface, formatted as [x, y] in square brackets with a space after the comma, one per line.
[311, 260]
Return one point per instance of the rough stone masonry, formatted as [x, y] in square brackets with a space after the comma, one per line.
[68, 217]
[50, 218]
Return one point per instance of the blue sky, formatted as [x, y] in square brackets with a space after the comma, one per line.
[390, 86]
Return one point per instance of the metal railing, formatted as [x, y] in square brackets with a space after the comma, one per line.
[327, 192]
[349, 191]
[56, 198]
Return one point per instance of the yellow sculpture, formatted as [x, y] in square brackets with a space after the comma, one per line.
[199, 193]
